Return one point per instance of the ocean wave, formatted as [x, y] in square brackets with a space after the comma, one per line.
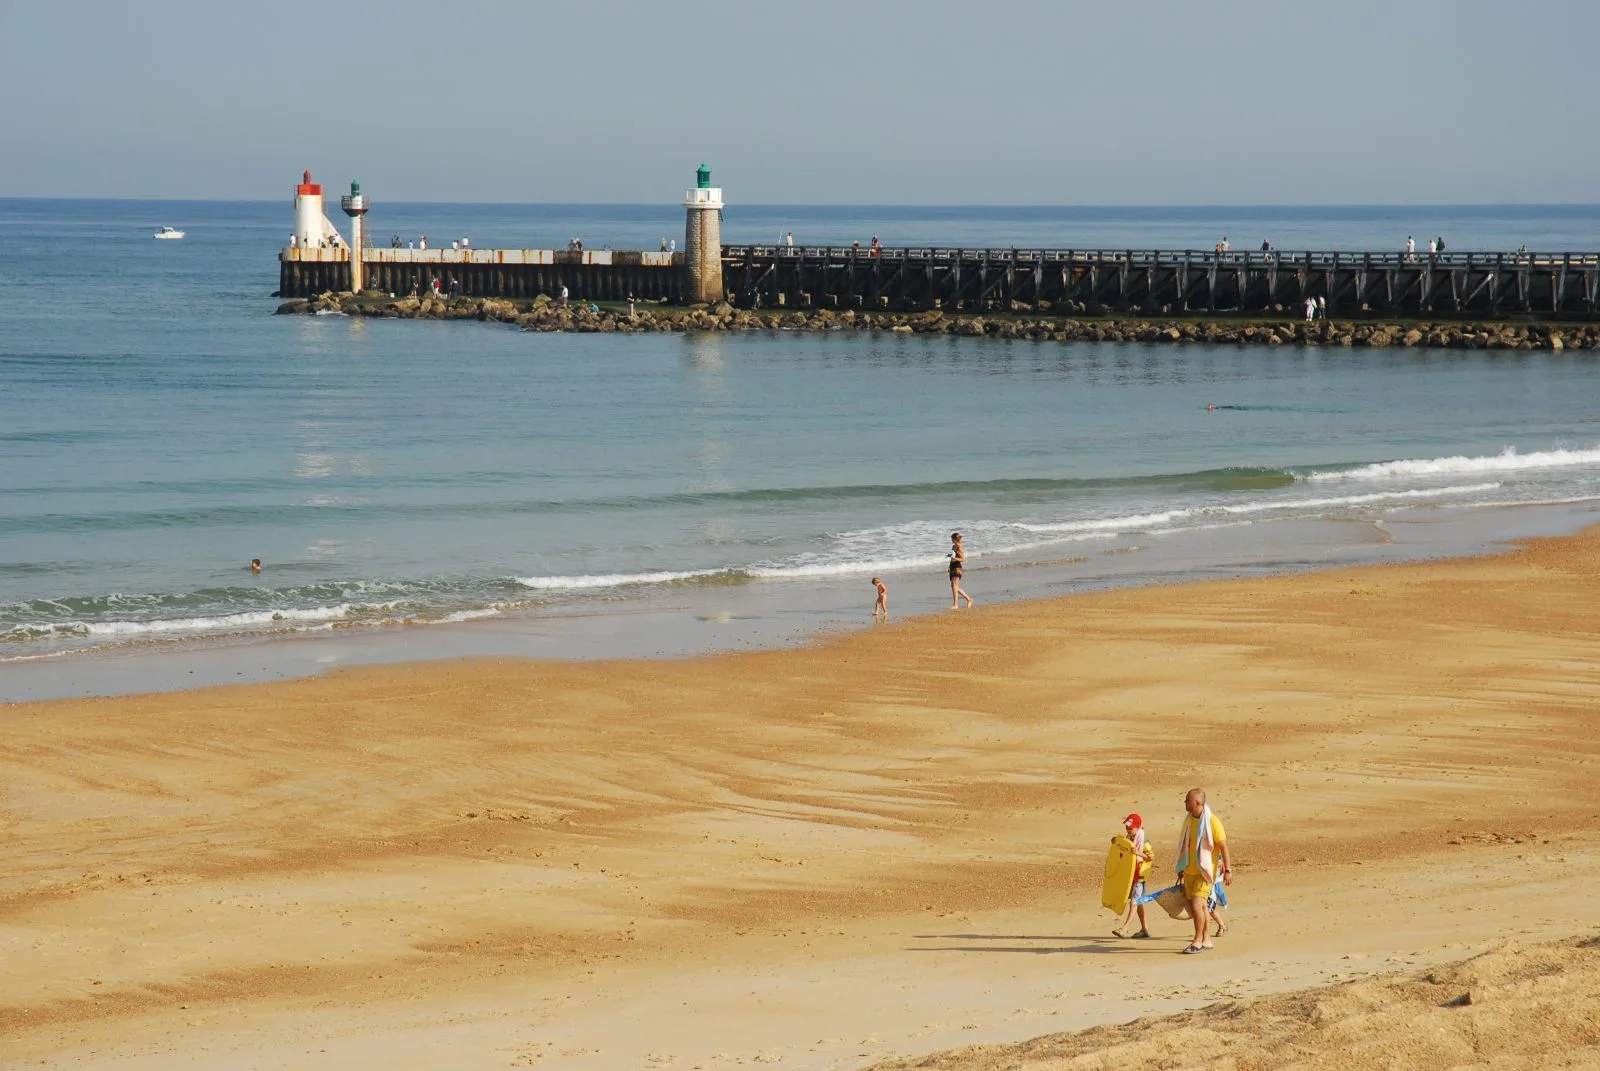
[1166, 519]
[253, 619]
[588, 581]
[1508, 460]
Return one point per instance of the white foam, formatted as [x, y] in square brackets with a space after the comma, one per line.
[252, 619]
[848, 567]
[1508, 460]
[1116, 524]
[609, 580]
[470, 615]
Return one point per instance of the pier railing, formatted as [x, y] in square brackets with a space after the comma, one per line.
[961, 279]
[1251, 258]
[1161, 281]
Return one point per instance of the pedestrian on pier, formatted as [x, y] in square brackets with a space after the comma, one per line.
[466, 243]
[1225, 246]
[1266, 246]
[1311, 309]
[1411, 248]
[422, 243]
[855, 249]
[876, 245]
[663, 244]
[1433, 247]
[788, 239]
[1322, 307]
[563, 294]
[672, 245]
[1440, 243]
[455, 246]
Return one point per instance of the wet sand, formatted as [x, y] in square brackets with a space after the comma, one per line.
[881, 846]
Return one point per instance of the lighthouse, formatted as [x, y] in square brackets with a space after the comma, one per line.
[355, 206]
[702, 242]
[310, 225]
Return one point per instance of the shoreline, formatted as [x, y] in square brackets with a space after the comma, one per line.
[541, 314]
[691, 623]
[499, 861]
[503, 860]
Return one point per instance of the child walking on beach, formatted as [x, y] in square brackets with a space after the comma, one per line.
[1133, 827]
[958, 561]
[880, 609]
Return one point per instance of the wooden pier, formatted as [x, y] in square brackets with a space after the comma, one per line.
[1147, 282]
[1163, 282]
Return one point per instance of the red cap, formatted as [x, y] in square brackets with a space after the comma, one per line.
[1133, 821]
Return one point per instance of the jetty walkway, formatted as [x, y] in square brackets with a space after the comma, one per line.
[1483, 285]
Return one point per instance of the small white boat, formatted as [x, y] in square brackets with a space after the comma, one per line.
[168, 232]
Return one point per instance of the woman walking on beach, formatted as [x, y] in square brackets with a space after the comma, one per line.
[958, 558]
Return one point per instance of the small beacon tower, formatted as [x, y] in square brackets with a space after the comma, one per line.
[355, 206]
[308, 212]
[702, 241]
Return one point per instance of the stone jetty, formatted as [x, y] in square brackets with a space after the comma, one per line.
[543, 314]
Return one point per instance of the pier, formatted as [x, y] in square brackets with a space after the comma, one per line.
[1142, 282]
[1147, 282]
[590, 275]
[1165, 282]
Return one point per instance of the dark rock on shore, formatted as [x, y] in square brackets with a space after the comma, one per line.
[542, 314]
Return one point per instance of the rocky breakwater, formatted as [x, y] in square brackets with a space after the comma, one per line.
[542, 314]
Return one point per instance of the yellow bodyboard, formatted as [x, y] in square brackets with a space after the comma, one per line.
[1120, 866]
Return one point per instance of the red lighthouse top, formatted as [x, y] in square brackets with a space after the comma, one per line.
[307, 186]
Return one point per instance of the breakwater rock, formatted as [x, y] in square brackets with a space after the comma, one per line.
[542, 314]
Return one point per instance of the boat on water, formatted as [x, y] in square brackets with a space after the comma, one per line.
[168, 232]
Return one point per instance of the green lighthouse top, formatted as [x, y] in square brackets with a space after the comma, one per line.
[702, 178]
[355, 188]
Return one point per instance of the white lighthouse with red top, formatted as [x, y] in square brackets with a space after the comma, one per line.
[311, 227]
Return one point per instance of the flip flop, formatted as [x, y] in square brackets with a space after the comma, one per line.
[1193, 950]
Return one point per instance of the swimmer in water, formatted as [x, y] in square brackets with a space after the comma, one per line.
[255, 565]
[1210, 408]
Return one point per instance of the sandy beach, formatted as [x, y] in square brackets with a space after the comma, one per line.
[871, 850]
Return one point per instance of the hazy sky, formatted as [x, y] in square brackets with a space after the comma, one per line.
[807, 101]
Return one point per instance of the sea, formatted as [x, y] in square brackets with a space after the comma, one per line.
[419, 490]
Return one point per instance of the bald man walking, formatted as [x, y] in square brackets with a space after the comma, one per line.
[1202, 858]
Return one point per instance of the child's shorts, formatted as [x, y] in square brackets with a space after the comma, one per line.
[1138, 889]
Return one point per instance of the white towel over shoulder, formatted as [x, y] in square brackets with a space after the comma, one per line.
[1203, 849]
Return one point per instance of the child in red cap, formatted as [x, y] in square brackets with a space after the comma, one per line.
[1133, 826]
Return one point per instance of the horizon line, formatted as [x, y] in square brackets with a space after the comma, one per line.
[811, 204]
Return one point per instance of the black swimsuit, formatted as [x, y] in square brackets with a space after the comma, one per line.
[955, 568]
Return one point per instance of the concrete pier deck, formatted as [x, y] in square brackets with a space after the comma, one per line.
[1482, 285]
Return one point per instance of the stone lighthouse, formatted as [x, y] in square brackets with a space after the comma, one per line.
[355, 206]
[702, 241]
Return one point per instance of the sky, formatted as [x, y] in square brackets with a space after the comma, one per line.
[1224, 102]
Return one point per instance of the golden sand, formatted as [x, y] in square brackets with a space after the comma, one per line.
[883, 846]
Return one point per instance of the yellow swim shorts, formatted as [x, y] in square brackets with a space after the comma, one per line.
[1195, 885]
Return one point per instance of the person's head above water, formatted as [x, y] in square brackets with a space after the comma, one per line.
[255, 565]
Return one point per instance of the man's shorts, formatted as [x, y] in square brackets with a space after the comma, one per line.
[1138, 890]
[1195, 885]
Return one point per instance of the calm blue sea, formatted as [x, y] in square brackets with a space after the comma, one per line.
[159, 427]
